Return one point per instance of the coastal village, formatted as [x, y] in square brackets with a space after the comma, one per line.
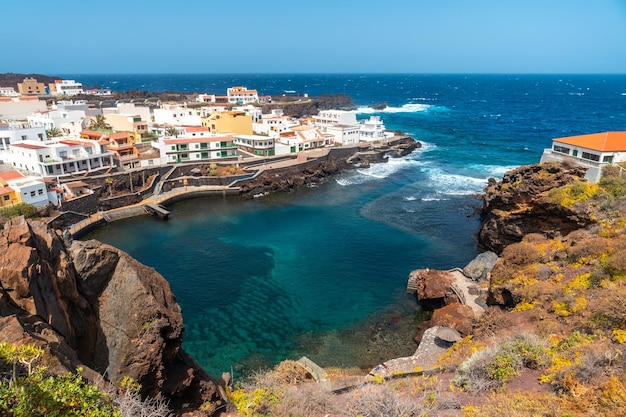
[537, 318]
[52, 142]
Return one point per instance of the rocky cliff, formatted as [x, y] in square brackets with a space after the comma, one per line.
[89, 304]
[519, 205]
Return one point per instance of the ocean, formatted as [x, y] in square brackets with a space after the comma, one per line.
[321, 272]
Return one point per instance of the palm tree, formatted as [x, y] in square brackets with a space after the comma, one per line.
[54, 132]
[100, 123]
[171, 131]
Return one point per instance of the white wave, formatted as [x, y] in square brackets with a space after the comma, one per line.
[410, 198]
[407, 108]
[495, 171]
[455, 184]
[376, 171]
[426, 199]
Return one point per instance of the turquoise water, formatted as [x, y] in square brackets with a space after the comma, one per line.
[321, 272]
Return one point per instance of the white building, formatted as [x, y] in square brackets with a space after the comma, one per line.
[8, 92]
[66, 88]
[373, 129]
[274, 124]
[327, 118]
[13, 133]
[129, 108]
[252, 111]
[68, 121]
[31, 190]
[593, 151]
[241, 95]
[60, 157]
[344, 135]
[180, 114]
[255, 144]
[196, 149]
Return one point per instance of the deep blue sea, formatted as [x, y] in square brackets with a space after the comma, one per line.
[321, 272]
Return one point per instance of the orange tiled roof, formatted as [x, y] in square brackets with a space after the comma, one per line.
[196, 128]
[10, 175]
[605, 141]
[6, 190]
[119, 135]
[27, 146]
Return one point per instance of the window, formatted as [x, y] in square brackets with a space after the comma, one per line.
[40, 192]
[608, 158]
[561, 149]
[32, 193]
[6, 198]
[205, 155]
[575, 152]
[591, 156]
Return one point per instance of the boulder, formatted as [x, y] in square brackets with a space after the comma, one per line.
[430, 284]
[479, 268]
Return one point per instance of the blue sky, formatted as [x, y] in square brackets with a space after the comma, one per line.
[338, 36]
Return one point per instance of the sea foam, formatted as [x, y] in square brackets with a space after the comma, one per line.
[407, 108]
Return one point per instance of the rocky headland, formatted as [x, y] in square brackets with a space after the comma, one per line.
[91, 305]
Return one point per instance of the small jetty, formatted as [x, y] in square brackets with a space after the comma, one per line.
[156, 209]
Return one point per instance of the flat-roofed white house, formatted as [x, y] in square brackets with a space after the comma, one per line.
[178, 150]
[373, 129]
[66, 88]
[344, 135]
[255, 144]
[593, 151]
[327, 118]
[60, 157]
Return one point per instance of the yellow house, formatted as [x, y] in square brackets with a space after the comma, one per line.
[8, 196]
[233, 121]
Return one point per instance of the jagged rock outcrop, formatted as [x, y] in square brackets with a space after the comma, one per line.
[93, 305]
[518, 205]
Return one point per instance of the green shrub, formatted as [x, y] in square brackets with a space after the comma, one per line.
[22, 209]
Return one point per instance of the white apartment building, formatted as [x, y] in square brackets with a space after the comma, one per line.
[60, 156]
[327, 118]
[196, 149]
[241, 95]
[255, 144]
[66, 88]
